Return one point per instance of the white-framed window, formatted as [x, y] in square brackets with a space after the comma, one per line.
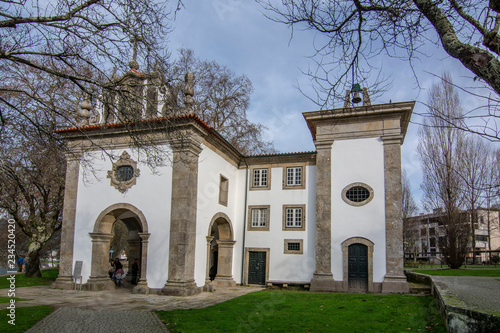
[258, 218]
[294, 176]
[260, 178]
[294, 217]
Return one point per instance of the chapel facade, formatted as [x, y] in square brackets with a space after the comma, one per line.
[210, 217]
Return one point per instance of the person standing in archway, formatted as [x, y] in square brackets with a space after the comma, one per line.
[135, 271]
[118, 271]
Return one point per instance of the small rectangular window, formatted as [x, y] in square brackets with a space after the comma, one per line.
[293, 246]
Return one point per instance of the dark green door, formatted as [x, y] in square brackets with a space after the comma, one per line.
[257, 268]
[358, 267]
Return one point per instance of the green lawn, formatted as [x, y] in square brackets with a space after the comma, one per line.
[493, 272]
[295, 311]
[25, 318]
[48, 276]
[7, 299]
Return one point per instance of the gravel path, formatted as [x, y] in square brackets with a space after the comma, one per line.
[482, 293]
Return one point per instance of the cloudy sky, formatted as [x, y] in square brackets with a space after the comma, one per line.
[235, 33]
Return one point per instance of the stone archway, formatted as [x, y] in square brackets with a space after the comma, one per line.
[345, 257]
[101, 236]
[220, 246]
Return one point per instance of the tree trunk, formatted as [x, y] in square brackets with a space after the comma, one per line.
[33, 269]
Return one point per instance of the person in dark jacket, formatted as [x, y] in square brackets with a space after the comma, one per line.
[135, 271]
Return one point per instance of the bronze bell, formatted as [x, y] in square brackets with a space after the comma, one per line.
[356, 98]
[356, 88]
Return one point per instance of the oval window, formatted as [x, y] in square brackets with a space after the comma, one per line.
[357, 194]
[124, 173]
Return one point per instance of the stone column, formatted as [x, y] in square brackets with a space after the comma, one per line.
[224, 277]
[181, 262]
[134, 251]
[142, 285]
[323, 278]
[65, 278]
[207, 275]
[394, 280]
[99, 277]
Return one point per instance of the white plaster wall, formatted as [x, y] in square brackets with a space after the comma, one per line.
[151, 195]
[286, 267]
[210, 167]
[359, 160]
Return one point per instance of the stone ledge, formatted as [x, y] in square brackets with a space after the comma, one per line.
[458, 317]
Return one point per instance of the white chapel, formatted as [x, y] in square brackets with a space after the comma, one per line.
[211, 217]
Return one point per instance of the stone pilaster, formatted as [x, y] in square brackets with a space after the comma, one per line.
[224, 277]
[99, 277]
[323, 278]
[183, 219]
[142, 285]
[394, 280]
[65, 278]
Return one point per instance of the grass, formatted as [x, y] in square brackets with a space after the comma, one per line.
[295, 311]
[48, 276]
[492, 272]
[7, 299]
[25, 318]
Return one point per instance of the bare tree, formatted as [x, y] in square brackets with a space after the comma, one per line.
[409, 209]
[32, 189]
[441, 151]
[221, 100]
[354, 33]
[474, 167]
[492, 195]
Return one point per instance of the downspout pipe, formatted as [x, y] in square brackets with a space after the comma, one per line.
[244, 222]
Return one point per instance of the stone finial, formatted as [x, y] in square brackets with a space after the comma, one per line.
[84, 112]
[189, 92]
[366, 97]
[347, 99]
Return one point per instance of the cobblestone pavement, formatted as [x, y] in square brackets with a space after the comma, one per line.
[113, 311]
[74, 320]
[481, 293]
[121, 299]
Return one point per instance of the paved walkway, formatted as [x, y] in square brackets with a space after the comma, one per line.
[478, 293]
[76, 320]
[87, 311]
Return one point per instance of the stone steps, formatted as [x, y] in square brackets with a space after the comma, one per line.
[421, 289]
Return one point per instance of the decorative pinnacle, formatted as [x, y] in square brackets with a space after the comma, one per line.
[189, 91]
[133, 63]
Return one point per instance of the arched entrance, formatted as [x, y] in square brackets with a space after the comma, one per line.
[101, 236]
[358, 264]
[220, 246]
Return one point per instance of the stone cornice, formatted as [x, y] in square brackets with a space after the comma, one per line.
[372, 120]
[309, 158]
